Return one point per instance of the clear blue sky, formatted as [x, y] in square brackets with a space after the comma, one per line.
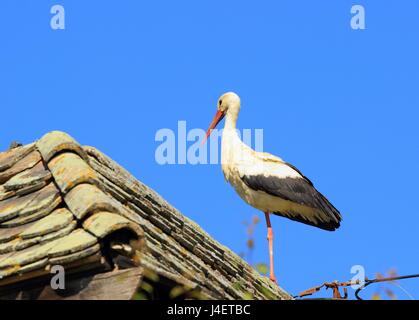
[341, 105]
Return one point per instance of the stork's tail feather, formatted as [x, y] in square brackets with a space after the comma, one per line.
[331, 210]
[325, 215]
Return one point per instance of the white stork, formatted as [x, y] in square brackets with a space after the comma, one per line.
[266, 182]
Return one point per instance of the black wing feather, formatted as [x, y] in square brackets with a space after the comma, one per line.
[296, 190]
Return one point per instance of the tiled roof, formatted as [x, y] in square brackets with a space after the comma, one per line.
[61, 203]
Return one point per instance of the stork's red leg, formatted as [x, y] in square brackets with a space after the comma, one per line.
[271, 251]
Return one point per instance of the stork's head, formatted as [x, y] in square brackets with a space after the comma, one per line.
[228, 104]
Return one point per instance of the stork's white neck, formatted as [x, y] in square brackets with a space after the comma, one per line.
[231, 120]
[232, 147]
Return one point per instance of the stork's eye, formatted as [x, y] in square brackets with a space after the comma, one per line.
[219, 103]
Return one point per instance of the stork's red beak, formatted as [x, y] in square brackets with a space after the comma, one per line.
[217, 118]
